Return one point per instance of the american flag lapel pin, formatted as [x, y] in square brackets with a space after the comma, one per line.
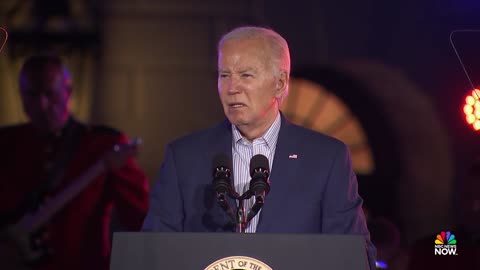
[293, 156]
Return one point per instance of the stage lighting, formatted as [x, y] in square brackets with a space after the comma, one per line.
[471, 108]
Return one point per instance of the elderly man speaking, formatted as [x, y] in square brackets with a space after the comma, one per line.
[311, 174]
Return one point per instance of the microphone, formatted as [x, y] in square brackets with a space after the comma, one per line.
[222, 172]
[259, 171]
[259, 185]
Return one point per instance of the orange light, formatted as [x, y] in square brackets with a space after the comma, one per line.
[477, 105]
[476, 93]
[470, 100]
[471, 108]
[471, 118]
[467, 109]
[476, 125]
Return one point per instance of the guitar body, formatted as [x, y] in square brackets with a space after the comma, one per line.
[24, 244]
[20, 249]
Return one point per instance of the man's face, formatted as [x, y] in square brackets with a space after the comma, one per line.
[247, 85]
[45, 98]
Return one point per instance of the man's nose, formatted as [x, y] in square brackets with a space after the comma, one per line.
[233, 86]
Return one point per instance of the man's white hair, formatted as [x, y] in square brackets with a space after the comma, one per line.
[276, 48]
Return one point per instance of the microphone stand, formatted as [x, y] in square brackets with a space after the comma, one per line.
[255, 209]
[225, 205]
[241, 222]
[241, 218]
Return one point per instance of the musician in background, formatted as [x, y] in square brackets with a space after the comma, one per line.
[42, 160]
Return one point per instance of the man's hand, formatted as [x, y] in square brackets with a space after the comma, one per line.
[120, 153]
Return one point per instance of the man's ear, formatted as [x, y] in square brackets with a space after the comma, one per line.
[281, 84]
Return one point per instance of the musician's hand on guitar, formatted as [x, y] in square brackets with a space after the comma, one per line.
[115, 158]
[16, 251]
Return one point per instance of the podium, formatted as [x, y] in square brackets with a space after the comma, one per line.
[223, 251]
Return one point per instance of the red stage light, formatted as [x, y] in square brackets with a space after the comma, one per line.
[471, 108]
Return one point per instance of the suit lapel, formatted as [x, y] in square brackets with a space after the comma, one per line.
[285, 164]
[221, 143]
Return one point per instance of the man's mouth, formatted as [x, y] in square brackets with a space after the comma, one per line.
[236, 105]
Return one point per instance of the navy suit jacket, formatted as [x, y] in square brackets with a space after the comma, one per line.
[316, 192]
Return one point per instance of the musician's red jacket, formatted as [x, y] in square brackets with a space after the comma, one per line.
[79, 235]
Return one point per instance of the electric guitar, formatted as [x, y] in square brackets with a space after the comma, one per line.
[22, 234]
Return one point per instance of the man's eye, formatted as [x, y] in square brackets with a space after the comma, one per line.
[247, 75]
[222, 75]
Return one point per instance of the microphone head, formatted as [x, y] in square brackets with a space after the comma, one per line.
[222, 171]
[257, 162]
[221, 160]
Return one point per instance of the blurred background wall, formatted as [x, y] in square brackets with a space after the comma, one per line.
[386, 69]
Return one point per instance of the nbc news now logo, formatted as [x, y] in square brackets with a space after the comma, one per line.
[446, 244]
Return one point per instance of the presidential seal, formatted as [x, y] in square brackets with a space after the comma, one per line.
[238, 263]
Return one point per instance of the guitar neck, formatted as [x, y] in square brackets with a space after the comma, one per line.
[45, 212]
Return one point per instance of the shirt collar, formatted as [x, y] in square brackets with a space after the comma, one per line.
[270, 137]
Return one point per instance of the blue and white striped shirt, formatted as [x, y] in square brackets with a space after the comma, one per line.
[242, 151]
